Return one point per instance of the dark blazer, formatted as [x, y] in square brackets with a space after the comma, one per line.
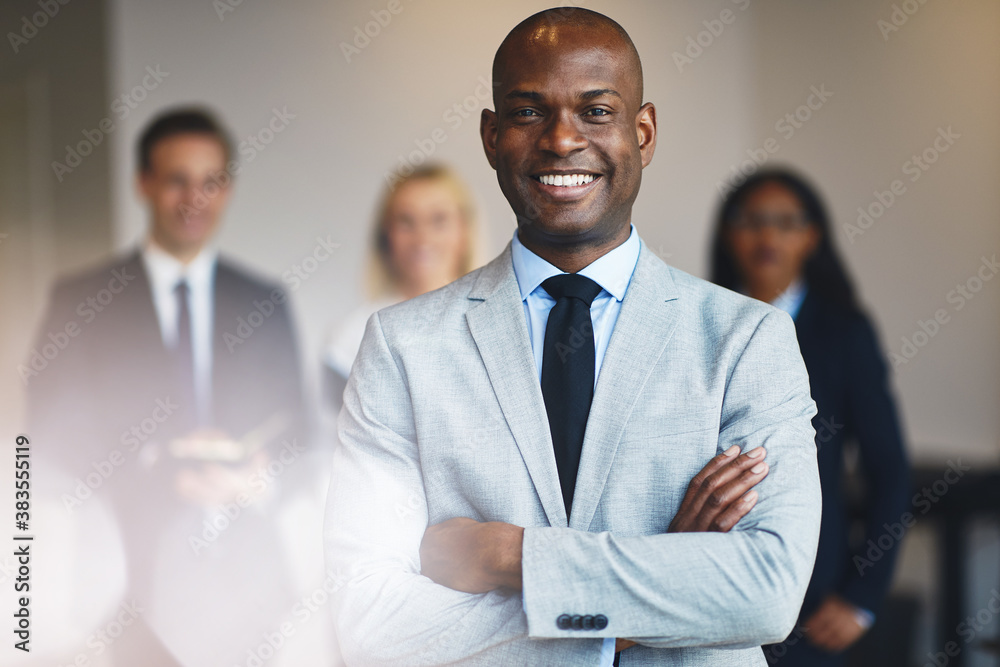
[110, 390]
[848, 379]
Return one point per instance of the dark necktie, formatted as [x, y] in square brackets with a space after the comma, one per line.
[568, 371]
[183, 354]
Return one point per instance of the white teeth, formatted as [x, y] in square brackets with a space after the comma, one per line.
[567, 180]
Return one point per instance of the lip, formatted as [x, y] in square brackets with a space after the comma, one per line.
[566, 192]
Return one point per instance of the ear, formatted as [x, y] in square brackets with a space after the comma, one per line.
[645, 129]
[488, 133]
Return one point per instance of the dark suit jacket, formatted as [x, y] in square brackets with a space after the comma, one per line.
[111, 389]
[847, 374]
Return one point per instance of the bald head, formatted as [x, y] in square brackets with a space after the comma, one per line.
[561, 31]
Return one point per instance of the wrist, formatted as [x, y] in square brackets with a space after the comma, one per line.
[505, 548]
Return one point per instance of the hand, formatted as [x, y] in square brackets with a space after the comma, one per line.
[720, 495]
[471, 556]
[834, 626]
[715, 499]
[622, 644]
[214, 484]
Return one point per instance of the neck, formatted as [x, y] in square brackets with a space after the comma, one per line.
[571, 257]
[184, 255]
[769, 290]
[409, 290]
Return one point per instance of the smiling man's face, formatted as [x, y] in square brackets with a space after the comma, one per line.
[569, 136]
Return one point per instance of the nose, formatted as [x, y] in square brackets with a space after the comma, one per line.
[562, 136]
[768, 234]
[190, 193]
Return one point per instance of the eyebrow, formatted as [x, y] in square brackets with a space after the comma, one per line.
[591, 94]
[538, 97]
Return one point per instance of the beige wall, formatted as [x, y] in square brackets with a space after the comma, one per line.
[322, 174]
[52, 89]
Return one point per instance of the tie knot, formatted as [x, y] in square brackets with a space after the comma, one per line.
[181, 288]
[572, 285]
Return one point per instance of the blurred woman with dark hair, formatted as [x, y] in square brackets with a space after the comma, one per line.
[772, 241]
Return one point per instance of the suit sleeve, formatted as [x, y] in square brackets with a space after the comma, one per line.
[386, 612]
[738, 589]
[60, 415]
[872, 415]
[287, 383]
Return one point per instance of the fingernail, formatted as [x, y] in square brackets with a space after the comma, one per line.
[732, 451]
[759, 468]
[756, 452]
[750, 497]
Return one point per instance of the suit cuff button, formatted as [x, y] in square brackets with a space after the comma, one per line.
[564, 622]
[600, 621]
[577, 622]
[588, 622]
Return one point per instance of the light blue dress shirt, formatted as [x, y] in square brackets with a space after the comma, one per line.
[791, 299]
[613, 272]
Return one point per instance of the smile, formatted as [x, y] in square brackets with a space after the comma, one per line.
[566, 180]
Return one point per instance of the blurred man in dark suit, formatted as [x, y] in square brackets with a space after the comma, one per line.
[178, 384]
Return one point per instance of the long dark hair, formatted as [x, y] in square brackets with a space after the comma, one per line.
[823, 272]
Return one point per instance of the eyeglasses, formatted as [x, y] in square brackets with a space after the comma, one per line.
[783, 222]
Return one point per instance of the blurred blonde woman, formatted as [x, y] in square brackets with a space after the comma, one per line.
[424, 238]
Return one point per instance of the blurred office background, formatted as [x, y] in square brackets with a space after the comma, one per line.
[905, 90]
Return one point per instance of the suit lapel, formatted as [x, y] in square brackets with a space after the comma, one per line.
[648, 316]
[498, 326]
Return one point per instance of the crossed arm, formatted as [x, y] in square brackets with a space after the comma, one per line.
[479, 557]
[738, 589]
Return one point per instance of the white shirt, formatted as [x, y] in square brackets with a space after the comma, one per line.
[613, 272]
[164, 272]
[345, 341]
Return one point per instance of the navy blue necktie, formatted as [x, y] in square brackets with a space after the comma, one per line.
[184, 355]
[568, 360]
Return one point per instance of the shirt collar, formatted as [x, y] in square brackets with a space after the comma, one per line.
[612, 270]
[791, 299]
[165, 270]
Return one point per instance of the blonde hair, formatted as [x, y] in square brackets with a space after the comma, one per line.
[381, 278]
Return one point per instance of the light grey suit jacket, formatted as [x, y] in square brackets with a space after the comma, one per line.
[443, 417]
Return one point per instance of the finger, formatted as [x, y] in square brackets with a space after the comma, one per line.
[730, 492]
[821, 633]
[711, 467]
[719, 499]
[727, 472]
[732, 514]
